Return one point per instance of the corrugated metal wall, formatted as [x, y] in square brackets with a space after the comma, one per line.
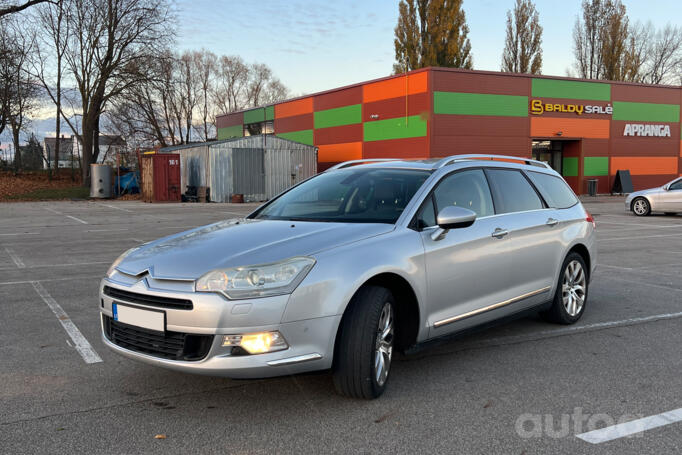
[259, 167]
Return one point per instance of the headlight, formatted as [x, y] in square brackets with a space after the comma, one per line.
[112, 267]
[257, 280]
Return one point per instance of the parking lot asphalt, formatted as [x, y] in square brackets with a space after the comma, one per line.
[523, 387]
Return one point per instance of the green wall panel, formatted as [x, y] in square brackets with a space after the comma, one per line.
[304, 137]
[570, 167]
[395, 128]
[480, 104]
[552, 88]
[595, 165]
[270, 113]
[230, 131]
[346, 115]
[254, 116]
[646, 112]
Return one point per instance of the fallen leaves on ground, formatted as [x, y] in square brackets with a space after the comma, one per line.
[27, 182]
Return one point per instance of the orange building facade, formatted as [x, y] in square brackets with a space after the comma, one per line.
[583, 129]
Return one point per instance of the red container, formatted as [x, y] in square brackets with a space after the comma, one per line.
[160, 177]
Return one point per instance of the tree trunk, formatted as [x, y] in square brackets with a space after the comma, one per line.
[17, 152]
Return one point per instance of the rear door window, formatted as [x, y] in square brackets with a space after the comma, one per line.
[512, 191]
[554, 189]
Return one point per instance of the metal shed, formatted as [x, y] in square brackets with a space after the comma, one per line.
[258, 167]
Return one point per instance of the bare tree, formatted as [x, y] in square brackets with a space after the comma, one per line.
[587, 40]
[522, 51]
[664, 63]
[614, 35]
[205, 66]
[48, 64]
[230, 92]
[22, 89]
[10, 7]
[109, 41]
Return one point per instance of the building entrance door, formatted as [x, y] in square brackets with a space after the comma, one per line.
[550, 152]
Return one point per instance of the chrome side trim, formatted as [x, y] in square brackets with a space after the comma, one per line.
[489, 308]
[292, 360]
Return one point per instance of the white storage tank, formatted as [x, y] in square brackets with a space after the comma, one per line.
[100, 181]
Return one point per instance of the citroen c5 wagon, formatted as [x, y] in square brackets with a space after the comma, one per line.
[347, 267]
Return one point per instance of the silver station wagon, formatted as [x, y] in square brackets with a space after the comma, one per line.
[353, 264]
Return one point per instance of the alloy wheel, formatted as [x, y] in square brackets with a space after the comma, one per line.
[640, 207]
[573, 288]
[383, 350]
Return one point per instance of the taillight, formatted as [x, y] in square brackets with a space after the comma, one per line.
[590, 219]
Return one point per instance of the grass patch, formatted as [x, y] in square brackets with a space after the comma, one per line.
[72, 192]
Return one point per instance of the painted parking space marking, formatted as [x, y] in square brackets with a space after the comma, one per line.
[640, 237]
[75, 264]
[117, 208]
[80, 343]
[15, 258]
[76, 219]
[71, 278]
[21, 233]
[633, 427]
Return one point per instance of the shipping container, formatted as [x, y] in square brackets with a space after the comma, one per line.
[255, 167]
[160, 173]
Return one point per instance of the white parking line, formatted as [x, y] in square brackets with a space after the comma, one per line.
[17, 260]
[117, 208]
[629, 428]
[24, 233]
[77, 219]
[71, 278]
[53, 210]
[75, 264]
[80, 343]
[641, 237]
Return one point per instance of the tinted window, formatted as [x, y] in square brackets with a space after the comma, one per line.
[355, 195]
[554, 189]
[468, 189]
[513, 193]
[676, 185]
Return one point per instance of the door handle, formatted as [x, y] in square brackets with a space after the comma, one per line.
[499, 233]
[552, 222]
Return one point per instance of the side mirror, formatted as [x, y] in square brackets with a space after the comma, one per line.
[452, 217]
[666, 187]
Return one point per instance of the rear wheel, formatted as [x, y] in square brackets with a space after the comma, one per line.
[641, 207]
[570, 298]
[364, 348]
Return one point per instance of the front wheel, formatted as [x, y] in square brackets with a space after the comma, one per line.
[641, 207]
[570, 297]
[364, 348]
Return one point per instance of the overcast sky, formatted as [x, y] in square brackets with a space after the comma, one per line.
[318, 45]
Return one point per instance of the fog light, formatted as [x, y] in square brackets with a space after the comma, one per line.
[257, 343]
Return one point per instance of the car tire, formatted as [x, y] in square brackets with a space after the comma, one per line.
[641, 206]
[365, 343]
[570, 298]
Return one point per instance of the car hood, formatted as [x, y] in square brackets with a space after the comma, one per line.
[188, 255]
[644, 192]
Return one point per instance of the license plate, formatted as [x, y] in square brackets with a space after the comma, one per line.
[152, 320]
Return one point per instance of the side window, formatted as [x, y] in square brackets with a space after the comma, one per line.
[554, 189]
[427, 214]
[513, 193]
[676, 185]
[468, 189]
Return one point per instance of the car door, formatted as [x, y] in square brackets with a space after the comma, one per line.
[670, 200]
[533, 231]
[467, 269]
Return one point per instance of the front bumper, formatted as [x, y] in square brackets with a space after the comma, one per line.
[311, 341]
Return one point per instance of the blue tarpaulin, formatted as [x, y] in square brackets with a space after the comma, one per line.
[127, 183]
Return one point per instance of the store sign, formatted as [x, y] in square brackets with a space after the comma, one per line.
[640, 129]
[538, 107]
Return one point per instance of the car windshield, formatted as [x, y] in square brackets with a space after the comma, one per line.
[355, 195]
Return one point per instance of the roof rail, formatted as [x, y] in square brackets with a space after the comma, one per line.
[454, 158]
[354, 162]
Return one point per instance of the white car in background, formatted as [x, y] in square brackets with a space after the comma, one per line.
[666, 198]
